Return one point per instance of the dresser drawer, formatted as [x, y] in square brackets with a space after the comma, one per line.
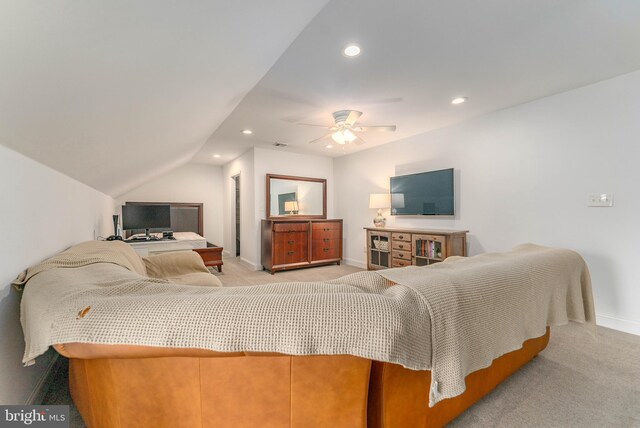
[319, 235]
[290, 247]
[326, 226]
[285, 256]
[323, 250]
[326, 237]
[405, 255]
[290, 227]
[400, 263]
[401, 236]
[401, 245]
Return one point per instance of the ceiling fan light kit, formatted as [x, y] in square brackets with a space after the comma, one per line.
[343, 137]
[344, 128]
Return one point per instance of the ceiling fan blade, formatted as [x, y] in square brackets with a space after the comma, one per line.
[359, 141]
[353, 116]
[321, 138]
[313, 124]
[384, 128]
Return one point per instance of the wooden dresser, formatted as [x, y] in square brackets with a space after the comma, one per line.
[388, 247]
[294, 244]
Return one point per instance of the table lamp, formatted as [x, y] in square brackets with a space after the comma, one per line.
[379, 201]
[291, 206]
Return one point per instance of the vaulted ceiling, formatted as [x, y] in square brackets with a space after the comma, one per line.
[114, 93]
[417, 56]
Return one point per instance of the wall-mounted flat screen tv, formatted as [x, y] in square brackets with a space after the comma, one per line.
[426, 193]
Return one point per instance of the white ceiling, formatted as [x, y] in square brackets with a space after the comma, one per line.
[115, 92]
[417, 55]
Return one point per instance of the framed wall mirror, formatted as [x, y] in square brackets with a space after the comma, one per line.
[296, 197]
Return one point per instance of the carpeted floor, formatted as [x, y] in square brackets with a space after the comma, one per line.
[235, 272]
[577, 381]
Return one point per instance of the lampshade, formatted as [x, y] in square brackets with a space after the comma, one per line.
[291, 206]
[379, 200]
[343, 137]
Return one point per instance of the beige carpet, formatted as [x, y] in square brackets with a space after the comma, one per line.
[235, 273]
[576, 382]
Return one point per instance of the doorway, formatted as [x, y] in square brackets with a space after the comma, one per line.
[236, 184]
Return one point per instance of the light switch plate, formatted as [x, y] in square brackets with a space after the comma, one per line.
[600, 200]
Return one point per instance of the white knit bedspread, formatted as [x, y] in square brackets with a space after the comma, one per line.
[360, 314]
[480, 308]
[485, 306]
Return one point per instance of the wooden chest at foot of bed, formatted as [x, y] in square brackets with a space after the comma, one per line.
[211, 256]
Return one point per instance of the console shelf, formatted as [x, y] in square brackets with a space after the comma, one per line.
[389, 247]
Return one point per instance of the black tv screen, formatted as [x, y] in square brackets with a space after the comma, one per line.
[427, 193]
[146, 216]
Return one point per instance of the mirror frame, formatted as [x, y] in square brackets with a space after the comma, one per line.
[296, 216]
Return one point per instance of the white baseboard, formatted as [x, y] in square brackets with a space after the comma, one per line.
[251, 264]
[41, 388]
[627, 326]
[356, 263]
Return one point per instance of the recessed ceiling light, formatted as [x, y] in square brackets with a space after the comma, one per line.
[216, 156]
[329, 146]
[458, 100]
[351, 50]
[247, 131]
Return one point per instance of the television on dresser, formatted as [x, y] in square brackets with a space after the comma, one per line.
[425, 193]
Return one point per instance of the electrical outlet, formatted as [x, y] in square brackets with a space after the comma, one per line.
[600, 200]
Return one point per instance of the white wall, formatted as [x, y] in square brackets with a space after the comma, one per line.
[196, 183]
[42, 212]
[244, 167]
[523, 175]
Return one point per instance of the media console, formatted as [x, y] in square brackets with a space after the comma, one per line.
[389, 247]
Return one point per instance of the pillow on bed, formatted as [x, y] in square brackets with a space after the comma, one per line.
[182, 267]
[197, 278]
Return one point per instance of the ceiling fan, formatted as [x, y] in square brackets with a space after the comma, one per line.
[345, 127]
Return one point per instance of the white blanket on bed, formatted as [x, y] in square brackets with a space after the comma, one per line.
[485, 306]
[480, 309]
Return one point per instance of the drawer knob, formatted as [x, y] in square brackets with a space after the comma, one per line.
[400, 246]
[326, 229]
[326, 250]
[292, 242]
[400, 237]
[326, 239]
[291, 252]
[401, 254]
